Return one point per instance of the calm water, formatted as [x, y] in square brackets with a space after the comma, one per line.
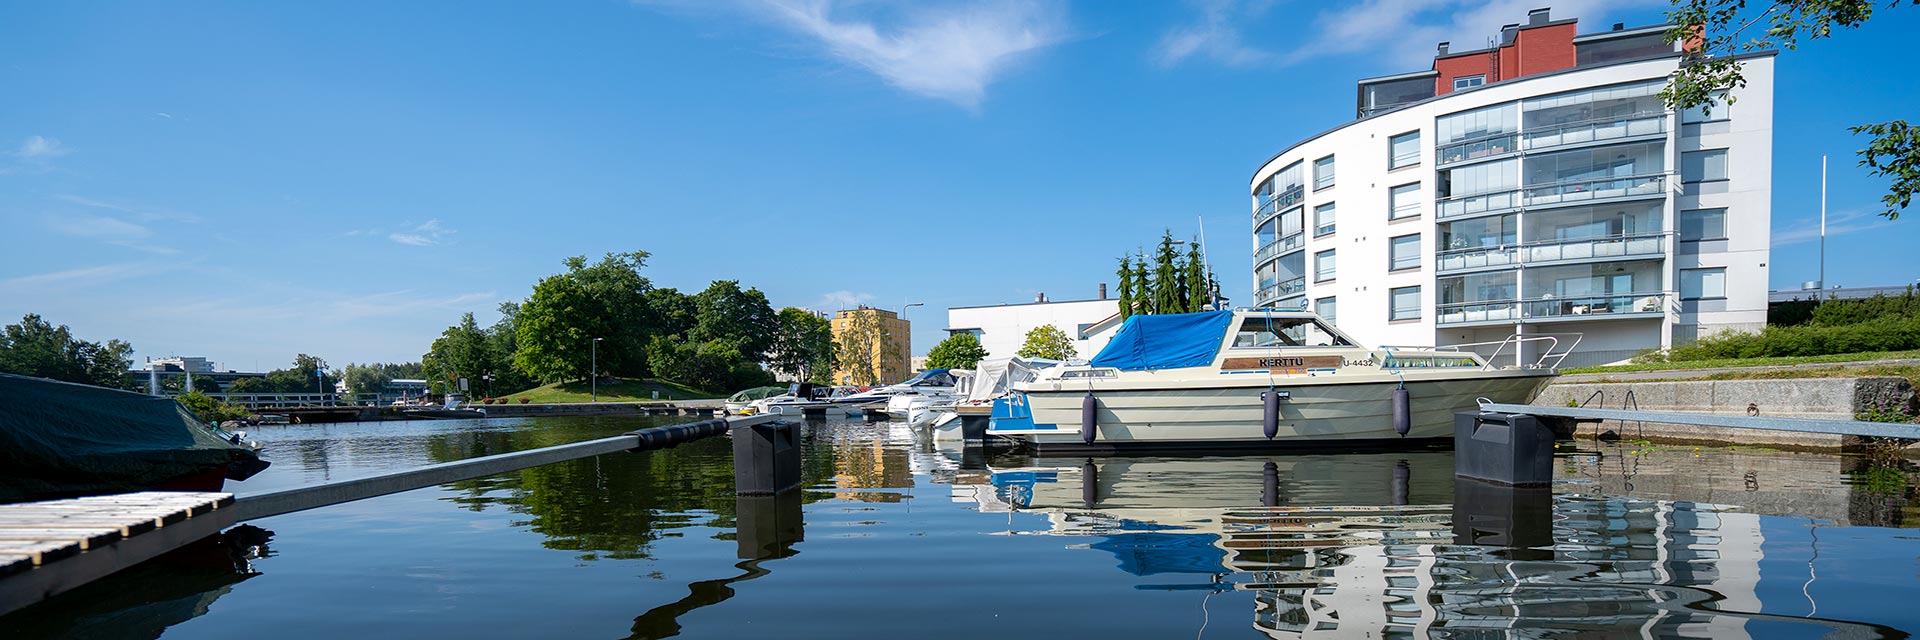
[902, 539]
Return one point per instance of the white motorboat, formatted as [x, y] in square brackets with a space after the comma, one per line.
[992, 378]
[807, 399]
[738, 403]
[1252, 377]
[932, 382]
[916, 405]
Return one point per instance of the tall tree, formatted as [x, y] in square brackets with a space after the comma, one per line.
[1125, 274]
[741, 318]
[958, 351]
[503, 340]
[462, 351]
[1198, 287]
[552, 333]
[1166, 277]
[1048, 341]
[802, 346]
[1712, 31]
[35, 347]
[365, 378]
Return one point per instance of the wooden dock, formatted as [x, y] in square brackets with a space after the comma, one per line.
[50, 547]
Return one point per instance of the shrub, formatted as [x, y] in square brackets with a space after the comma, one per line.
[1884, 333]
[523, 401]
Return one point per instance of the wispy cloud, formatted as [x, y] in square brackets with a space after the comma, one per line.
[73, 277]
[98, 228]
[1402, 32]
[41, 148]
[844, 299]
[138, 212]
[950, 52]
[427, 234]
[1838, 223]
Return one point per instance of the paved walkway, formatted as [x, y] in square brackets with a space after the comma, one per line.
[1681, 374]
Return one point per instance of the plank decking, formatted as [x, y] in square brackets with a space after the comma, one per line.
[50, 547]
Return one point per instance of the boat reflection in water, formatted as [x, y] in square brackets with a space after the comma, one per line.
[1389, 545]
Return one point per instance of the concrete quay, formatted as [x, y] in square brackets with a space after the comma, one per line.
[1827, 398]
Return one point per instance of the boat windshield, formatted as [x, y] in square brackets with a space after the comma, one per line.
[1267, 332]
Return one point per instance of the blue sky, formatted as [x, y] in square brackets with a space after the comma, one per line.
[246, 181]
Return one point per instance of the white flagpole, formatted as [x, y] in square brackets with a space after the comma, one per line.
[1823, 221]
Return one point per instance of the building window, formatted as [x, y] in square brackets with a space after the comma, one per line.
[1703, 284]
[1323, 220]
[1323, 173]
[1722, 111]
[1323, 266]
[1325, 307]
[1468, 82]
[1404, 252]
[1406, 303]
[1703, 166]
[1703, 224]
[1405, 149]
[1404, 201]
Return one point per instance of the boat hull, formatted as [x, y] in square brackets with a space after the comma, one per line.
[1323, 412]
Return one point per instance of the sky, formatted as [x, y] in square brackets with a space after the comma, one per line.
[246, 181]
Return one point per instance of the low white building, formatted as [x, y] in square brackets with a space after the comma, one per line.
[1002, 328]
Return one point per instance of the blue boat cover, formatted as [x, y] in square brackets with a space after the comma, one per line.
[1165, 341]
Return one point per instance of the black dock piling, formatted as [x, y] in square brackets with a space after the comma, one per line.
[1502, 448]
[766, 459]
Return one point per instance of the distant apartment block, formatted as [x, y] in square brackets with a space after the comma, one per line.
[892, 344]
[1539, 186]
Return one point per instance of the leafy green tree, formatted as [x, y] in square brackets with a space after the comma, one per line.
[462, 351]
[502, 343]
[958, 351]
[364, 378]
[1712, 31]
[675, 312]
[740, 318]
[714, 365]
[308, 375]
[35, 347]
[209, 409]
[802, 346]
[1048, 341]
[606, 300]
[1166, 277]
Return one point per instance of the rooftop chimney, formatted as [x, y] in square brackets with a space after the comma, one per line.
[1507, 33]
[1443, 48]
[1537, 17]
[1619, 26]
[1103, 291]
[1040, 297]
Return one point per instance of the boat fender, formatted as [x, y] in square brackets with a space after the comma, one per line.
[1270, 485]
[1089, 484]
[1089, 421]
[1270, 413]
[1402, 415]
[1401, 474]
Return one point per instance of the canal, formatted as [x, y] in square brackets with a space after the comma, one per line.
[899, 538]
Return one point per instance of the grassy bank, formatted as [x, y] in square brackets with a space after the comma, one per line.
[612, 390]
[1718, 363]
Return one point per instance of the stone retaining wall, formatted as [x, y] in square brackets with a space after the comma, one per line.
[1829, 398]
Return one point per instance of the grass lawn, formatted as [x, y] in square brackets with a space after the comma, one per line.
[611, 390]
[1749, 362]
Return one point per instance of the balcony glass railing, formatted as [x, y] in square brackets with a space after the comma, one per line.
[1290, 197]
[1483, 147]
[1641, 245]
[1322, 230]
[1602, 129]
[1488, 311]
[1285, 244]
[1456, 206]
[1283, 288]
[1595, 189]
[1602, 305]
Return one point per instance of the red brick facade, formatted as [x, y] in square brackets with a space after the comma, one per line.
[1539, 49]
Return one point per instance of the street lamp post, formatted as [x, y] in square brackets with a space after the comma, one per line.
[905, 307]
[593, 374]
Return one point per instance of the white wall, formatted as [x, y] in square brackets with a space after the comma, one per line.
[1004, 327]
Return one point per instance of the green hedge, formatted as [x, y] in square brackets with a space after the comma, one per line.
[1884, 333]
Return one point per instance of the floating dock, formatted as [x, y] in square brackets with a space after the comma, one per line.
[47, 548]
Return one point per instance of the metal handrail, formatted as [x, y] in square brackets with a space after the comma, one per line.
[1542, 243]
[1515, 339]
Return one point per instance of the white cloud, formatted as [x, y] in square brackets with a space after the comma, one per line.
[948, 52]
[427, 234]
[844, 299]
[98, 228]
[39, 147]
[142, 214]
[72, 277]
[1838, 223]
[1400, 32]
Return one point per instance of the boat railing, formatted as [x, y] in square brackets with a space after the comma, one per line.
[1549, 355]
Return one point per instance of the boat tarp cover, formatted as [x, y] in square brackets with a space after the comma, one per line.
[60, 438]
[1165, 341]
[994, 377]
[756, 393]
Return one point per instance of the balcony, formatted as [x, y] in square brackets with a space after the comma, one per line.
[1595, 307]
[1598, 130]
[1282, 246]
[1287, 199]
[1477, 312]
[1462, 206]
[1647, 245]
[1475, 149]
[1277, 290]
[1609, 188]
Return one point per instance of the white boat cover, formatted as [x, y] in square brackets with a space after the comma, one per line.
[994, 377]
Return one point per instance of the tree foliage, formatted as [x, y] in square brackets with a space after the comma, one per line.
[464, 350]
[958, 351]
[1048, 341]
[1713, 31]
[1170, 283]
[210, 409]
[803, 346]
[37, 348]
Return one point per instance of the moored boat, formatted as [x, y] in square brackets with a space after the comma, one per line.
[1234, 379]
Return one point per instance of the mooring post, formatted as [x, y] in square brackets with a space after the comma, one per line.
[973, 429]
[766, 459]
[766, 527]
[1503, 516]
[1502, 448]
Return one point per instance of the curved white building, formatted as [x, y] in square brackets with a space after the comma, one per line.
[1539, 186]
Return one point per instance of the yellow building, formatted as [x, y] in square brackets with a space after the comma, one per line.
[868, 336]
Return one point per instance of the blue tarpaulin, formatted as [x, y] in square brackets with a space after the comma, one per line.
[1166, 341]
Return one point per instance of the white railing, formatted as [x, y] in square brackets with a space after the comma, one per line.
[1614, 128]
[1625, 246]
[1455, 206]
[1483, 147]
[1283, 245]
[1499, 348]
[1601, 305]
[1595, 189]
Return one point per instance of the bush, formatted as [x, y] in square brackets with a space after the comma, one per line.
[1883, 333]
[523, 401]
[211, 410]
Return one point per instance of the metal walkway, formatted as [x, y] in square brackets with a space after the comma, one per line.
[1805, 425]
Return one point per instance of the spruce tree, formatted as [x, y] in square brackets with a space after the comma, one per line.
[1199, 291]
[1166, 277]
[1126, 286]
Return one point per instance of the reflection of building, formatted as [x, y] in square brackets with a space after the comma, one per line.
[1003, 328]
[1537, 186]
[887, 339]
